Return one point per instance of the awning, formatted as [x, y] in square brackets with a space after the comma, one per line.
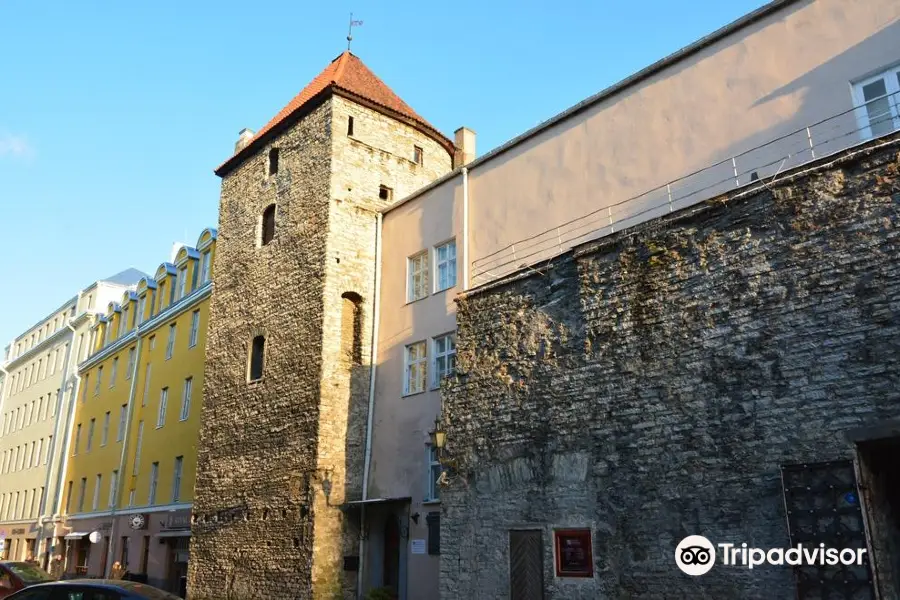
[175, 533]
[76, 535]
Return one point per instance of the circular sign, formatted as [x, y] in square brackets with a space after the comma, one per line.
[137, 521]
[94, 537]
[695, 555]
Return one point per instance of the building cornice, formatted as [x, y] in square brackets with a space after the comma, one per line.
[132, 510]
[172, 311]
[37, 349]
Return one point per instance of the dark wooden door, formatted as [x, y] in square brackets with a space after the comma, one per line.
[391, 575]
[526, 565]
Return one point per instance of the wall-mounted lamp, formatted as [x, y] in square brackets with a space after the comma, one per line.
[415, 518]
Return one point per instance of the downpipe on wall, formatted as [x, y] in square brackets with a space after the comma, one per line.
[376, 306]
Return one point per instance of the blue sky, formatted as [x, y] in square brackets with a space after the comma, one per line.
[113, 114]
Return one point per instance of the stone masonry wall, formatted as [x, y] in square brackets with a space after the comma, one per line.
[650, 385]
[379, 153]
[279, 458]
[256, 471]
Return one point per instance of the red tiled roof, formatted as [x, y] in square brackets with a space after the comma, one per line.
[348, 73]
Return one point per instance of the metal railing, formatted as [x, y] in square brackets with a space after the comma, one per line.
[763, 164]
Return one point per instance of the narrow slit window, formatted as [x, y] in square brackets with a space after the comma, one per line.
[257, 357]
[273, 161]
[418, 155]
[349, 125]
[268, 225]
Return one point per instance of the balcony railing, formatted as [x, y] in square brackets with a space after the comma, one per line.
[760, 166]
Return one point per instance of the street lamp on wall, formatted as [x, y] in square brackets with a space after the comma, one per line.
[439, 442]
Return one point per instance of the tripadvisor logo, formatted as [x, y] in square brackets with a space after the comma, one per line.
[696, 555]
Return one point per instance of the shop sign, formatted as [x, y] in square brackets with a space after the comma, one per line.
[18, 531]
[177, 521]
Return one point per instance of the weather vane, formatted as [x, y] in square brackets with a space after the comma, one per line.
[350, 31]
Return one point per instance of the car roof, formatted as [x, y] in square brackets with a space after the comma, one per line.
[95, 583]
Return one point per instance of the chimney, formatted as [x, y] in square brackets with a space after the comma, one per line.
[465, 147]
[244, 138]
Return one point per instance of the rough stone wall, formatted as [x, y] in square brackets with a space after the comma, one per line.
[379, 153]
[650, 385]
[256, 469]
[279, 457]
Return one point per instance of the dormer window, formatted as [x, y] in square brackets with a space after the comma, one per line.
[273, 161]
[182, 282]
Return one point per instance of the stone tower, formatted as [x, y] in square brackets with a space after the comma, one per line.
[288, 353]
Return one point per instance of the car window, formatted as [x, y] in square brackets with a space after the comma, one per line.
[42, 594]
[29, 573]
[5, 581]
[88, 594]
[142, 590]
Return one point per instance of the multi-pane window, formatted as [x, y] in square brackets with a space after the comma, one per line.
[131, 358]
[186, 398]
[445, 266]
[105, 437]
[176, 478]
[443, 361]
[123, 413]
[77, 439]
[113, 484]
[433, 488]
[170, 345]
[195, 328]
[99, 380]
[142, 306]
[182, 282]
[123, 325]
[90, 435]
[137, 448]
[114, 372]
[417, 270]
[204, 267]
[163, 401]
[878, 102]
[81, 490]
[415, 367]
[95, 503]
[154, 479]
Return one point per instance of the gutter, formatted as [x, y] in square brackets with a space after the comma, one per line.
[376, 307]
[117, 494]
[70, 417]
[465, 245]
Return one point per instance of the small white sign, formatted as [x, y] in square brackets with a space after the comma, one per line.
[418, 546]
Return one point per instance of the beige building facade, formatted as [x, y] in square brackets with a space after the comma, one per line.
[793, 81]
[40, 380]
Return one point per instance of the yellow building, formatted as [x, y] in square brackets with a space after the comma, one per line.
[133, 443]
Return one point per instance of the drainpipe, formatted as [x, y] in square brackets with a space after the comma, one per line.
[125, 438]
[59, 405]
[465, 244]
[370, 417]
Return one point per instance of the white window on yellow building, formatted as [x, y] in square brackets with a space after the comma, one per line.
[98, 382]
[182, 282]
[95, 503]
[137, 448]
[176, 478]
[154, 479]
[90, 434]
[113, 372]
[131, 357]
[81, 491]
[113, 484]
[204, 267]
[195, 328]
[123, 413]
[186, 399]
[163, 401]
[105, 437]
[77, 439]
[170, 345]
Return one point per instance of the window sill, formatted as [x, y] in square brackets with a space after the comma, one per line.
[409, 394]
[431, 502]
[413, 301]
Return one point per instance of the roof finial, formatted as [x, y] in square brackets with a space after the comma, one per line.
[350, 31]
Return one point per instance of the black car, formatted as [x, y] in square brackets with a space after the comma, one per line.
[92, 589]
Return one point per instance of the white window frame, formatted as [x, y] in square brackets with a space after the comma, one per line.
[417, 265]
[161, 412]
[186, 398]
[90, 441]
[132, 355]
[432, 488]
[182, 282]
[141, 307]
[98, 483]
[440, 286]
[154, 482]
[99, 381]
[147, 374]
[891, 77]
[437, 373]
[113, 372]
[105, 437]
[82, 490]
[410, 365]
[177, 471]
[113, 484]
[123, 416]
[170, 344]
[195, 328]
[205, 259]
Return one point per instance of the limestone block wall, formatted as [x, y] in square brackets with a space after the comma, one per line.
[650, 385]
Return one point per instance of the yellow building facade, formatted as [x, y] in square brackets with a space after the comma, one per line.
[130, 468]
